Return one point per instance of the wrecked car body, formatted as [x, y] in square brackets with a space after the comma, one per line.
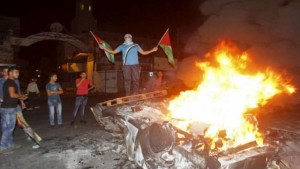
[152, 141]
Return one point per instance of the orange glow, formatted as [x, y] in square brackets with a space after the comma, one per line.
[227, 91]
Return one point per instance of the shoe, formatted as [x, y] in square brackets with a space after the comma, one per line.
[37, 107]
[6, 150]
[35, 146]
[28, 138]
[16, 146]
[10, 149]
[61, 126]
[72, 123]
[51, 126]
[83, 121]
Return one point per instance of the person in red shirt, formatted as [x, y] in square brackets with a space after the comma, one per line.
[82, 85]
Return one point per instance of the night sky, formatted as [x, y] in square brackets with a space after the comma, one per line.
[133, 16]
[146, 18]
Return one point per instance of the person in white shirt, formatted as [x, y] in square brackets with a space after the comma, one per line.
[33, 92]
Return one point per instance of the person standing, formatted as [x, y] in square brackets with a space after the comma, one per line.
[156, 83]
[2, 80]
[19, 107]
[131, 68]
[4, 76]
[9, 110]
[54, 91]
[33, 92]
[82, 85]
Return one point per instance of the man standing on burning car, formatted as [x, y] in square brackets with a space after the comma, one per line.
[131, 68]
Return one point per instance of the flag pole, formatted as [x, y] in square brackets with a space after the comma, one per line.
[93, 35]
[95, 38]
[98, 43]
[162, 37]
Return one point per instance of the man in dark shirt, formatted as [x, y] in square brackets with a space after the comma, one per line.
[8, 110]
[4, 76]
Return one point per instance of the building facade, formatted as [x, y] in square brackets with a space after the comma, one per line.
[9, 26]
[106, 76]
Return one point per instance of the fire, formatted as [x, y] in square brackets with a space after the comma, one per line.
[228, 90]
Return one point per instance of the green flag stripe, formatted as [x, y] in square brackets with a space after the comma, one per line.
[168, 50]
[109, 56]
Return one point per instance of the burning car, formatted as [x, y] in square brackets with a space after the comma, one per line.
[153, 142]
[213, 126]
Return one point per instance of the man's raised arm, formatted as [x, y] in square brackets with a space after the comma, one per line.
[148, 51]
[108, 50]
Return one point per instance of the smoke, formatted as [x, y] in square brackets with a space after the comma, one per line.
[269, 30]
[188, 72]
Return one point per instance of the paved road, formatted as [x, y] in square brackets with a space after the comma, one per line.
[79, 146]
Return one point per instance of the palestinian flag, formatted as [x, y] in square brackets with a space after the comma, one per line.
[165, 44]
[109, 56]
[27, 129]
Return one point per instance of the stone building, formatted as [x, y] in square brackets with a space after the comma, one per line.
[9, 26]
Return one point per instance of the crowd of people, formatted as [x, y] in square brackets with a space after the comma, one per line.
[12, 100]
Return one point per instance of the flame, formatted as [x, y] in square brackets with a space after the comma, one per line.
[228, 90]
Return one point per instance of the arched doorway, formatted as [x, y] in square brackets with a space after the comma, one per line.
[80, 46]
[49, 36]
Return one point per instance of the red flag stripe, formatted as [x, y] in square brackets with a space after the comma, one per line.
[165, 40]
[97, 38]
